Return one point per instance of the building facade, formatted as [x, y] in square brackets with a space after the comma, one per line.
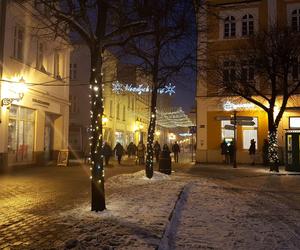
[126, 114]
[232, 23]
[34, 117]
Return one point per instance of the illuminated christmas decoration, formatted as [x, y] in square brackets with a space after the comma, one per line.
[173, 119]
[118, 88]
[273, 151]
[229, 106]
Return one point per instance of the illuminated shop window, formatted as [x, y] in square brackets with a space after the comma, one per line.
[249, 133]
[21, 127]
[294, 122]
[226, 133]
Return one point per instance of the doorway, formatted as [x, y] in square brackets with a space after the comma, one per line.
[292, 149]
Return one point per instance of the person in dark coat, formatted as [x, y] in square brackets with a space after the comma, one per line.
[252, 150]
[157, 150]
[225, 151]
[131, 149]
[107, 153]
[165, 160]
[141, 149]
[176, 151]
[119, 151]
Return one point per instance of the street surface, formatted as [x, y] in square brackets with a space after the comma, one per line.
[31, 198]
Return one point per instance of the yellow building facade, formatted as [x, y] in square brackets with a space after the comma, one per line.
[126, 114]
[212, 110]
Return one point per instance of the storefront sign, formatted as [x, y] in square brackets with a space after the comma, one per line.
[40, 102]
[118, 88]
[229, 106]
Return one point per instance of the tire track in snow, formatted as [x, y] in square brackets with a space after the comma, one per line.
[169, 234]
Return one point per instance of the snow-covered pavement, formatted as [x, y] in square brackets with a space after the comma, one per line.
[180, 212]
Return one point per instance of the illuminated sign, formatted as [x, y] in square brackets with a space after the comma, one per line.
[228, 106]
[118, 88]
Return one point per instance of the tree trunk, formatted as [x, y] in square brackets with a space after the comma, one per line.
[273, 154]
[150, 138]
[96, 140]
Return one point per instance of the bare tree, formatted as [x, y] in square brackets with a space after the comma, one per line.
[156, 52]
[264, 70]
[99, 24]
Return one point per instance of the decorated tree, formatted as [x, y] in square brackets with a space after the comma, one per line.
[99, 24]
[157, 53]
[264, 70]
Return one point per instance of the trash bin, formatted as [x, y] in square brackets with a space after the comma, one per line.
[165, 165]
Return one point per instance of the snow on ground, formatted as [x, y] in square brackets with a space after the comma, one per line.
[225, 218]
[203, 215]
[136, 215]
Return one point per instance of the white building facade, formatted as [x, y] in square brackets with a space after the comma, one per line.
[34, 88]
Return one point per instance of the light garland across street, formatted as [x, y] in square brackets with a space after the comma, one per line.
[173, 118]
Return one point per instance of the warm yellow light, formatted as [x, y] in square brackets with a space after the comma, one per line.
[157, 133]
[104, 119]
[172, 136]
[141, 126]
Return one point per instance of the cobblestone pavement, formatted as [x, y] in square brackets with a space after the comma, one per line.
[31, 198]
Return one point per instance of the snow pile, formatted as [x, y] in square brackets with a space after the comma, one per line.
[138, 178]
[136, 216]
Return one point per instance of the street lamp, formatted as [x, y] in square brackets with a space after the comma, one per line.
[19, 88]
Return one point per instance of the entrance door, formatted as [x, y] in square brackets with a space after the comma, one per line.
[48, 135]
[293, 152]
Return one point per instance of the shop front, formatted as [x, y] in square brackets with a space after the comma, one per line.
[33, 129]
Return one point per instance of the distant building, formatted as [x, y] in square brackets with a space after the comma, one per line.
[228, 24]
[34, 118]
[126, 114]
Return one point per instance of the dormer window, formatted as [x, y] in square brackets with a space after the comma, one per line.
[229, 27]
[247, 25]
[296, 20]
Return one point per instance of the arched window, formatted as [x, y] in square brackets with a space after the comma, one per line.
[296, 20]
[229, 27]
[247, 25]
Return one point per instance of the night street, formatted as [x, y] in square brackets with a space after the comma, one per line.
[32, 199]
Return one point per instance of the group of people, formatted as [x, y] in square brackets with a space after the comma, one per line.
[138, 151]
[227, 151]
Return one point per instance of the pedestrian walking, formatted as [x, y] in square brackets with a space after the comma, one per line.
[141, 149]
[225, 152]
[157, 151]
[131, 149]
[119, 151]
[176, 151]
[107, 153]
[252, 150]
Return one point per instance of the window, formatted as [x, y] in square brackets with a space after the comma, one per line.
[295, 68]
[19, 36]
[124, 112]
[229, 70]
[74, 105]
[118, 111]
[249, 133]
[111, 108]
[294, 122]
[56, 65]
[73, 71]
[247, 71]
[226, 133]
[229, 27]
[296, 20]
[21, 127]
[40, 56]
[247, 25]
